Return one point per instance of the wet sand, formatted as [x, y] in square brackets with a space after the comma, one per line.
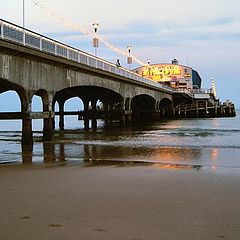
[111, 202]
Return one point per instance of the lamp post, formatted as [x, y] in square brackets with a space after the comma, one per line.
[23, 14]
[95, 38]
[129, 59]
[148, 61]
[23, 20]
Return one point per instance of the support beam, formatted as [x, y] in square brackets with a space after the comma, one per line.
[27, 153]
[11, 115]
[27, 134]
[86, 114]
[94, 113]
[61, 115]
[49, 152]
[47, 129]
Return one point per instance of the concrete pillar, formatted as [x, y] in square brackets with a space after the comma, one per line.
[86, 114]
[174, 112]
[86, 152]
[106, 113]
[61, 115]
[27, 153]
[156, 113]
[122, 113]
[53, 123]
[62, 152]
[179, 111]
[49, 152]
[47, 129]
[163, 112]
[27, 134]
[94, 113]
[127, 112]
[110, 109]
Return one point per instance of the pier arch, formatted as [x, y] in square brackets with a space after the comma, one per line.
[143, 108]
[41, 109]
[9, 87]
[10, 101]
[44, 96]
[166, 107]
[112, 103]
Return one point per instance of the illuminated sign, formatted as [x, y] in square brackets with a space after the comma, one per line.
[165, 72]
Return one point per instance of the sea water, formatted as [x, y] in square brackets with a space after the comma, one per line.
[210, 143]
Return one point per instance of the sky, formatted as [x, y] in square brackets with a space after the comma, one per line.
[202, 34]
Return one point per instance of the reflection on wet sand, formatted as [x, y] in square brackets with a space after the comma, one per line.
[94, 163]
[98, 155]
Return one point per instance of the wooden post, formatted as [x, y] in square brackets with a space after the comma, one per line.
[206, 107]
[197, 111]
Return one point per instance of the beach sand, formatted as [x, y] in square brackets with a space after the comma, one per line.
[70, 202]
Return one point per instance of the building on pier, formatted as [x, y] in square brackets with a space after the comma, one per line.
[185, 80]
[172, 74]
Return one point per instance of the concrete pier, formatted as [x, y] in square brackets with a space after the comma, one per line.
[58, 73]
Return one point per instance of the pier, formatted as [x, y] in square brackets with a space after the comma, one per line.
[34, 65]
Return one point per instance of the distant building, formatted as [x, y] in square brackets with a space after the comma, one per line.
[174, 75]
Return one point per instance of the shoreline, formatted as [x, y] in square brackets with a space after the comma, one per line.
[46, 201]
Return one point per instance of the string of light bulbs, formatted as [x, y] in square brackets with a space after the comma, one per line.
[77, 27]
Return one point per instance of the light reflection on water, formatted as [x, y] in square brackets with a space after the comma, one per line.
[191, 143]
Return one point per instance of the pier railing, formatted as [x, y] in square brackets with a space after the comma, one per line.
[202, 91]
[19, 35]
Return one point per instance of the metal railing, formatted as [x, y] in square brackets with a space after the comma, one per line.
[34, 40]
[184, 91]
[202, 91]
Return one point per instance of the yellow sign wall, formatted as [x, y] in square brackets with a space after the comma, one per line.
[165, 72]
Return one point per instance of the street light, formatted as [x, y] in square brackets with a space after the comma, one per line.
[129, 59]
[23, 21]
[23, 14]
[95, 38]
[148, 61]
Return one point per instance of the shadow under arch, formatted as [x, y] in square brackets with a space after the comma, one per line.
[143, 108]
[87, 92]
[112, 103]
[166, 108]
[127, 104]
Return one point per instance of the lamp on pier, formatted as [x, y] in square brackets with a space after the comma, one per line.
[23, 20]
[129, 59]
[95, 37]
